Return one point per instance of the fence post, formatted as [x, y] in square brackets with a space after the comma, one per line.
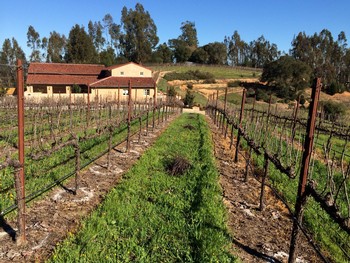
[20, 187]
[240, 125]
[129, 118]
[302, 194]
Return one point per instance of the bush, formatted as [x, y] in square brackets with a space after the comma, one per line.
[190, 86]
[262, 94]
[232, 84]
[189, 98]
[335, 88]
[333, 110]
[209, 81]
[189, 75]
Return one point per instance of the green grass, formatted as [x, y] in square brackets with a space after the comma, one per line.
[152, 216]
[220, 72]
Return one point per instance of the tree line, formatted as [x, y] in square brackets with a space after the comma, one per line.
[135, 39]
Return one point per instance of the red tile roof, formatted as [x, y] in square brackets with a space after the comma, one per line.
[122, 82]
[64, 68]
[41, 79]
[63, 73]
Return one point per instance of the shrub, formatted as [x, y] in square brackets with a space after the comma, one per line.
[335, 88]
[232, 84]
[209, 81]
[189, 98]
[262, 94]
[189, 75]
[333, 110]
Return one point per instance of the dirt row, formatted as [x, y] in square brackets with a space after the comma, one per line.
[258, 236]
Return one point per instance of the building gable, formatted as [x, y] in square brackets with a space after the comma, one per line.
[130, 70]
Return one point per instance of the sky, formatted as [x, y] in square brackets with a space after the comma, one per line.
[277, 20]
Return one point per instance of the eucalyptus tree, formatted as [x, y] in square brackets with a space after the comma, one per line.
[189, 34]
[80, 47]
[236, 49]
[325, 55]
[139, 34]
[263, 52]
[56, 47]
[95, 31]
[183, 46]
[9, 54]
[34, 42]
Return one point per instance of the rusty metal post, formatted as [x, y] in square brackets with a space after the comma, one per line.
[240, 125]
[129, 118]
[20, 189]
[301, 197]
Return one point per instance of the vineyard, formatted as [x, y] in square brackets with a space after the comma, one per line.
[276, 147]
[63, 138]
[305, 160]
[43, 143]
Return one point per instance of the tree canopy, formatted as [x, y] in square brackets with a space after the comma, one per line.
[80, 47]
[288, 75]
[139, 36]
[9, 54]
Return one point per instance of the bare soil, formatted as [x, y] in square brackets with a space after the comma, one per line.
[259, 236]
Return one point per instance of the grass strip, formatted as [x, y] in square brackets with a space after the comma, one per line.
[153, 216]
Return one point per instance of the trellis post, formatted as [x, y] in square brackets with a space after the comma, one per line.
[302, 194]
[20, 185]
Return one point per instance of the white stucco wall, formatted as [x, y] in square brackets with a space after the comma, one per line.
[131, 70]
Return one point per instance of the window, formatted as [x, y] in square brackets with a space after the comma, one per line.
[141, 73]
[146, 92]
[121, 72]
[125, 92]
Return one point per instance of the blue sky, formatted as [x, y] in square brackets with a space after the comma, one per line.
[277, 20]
